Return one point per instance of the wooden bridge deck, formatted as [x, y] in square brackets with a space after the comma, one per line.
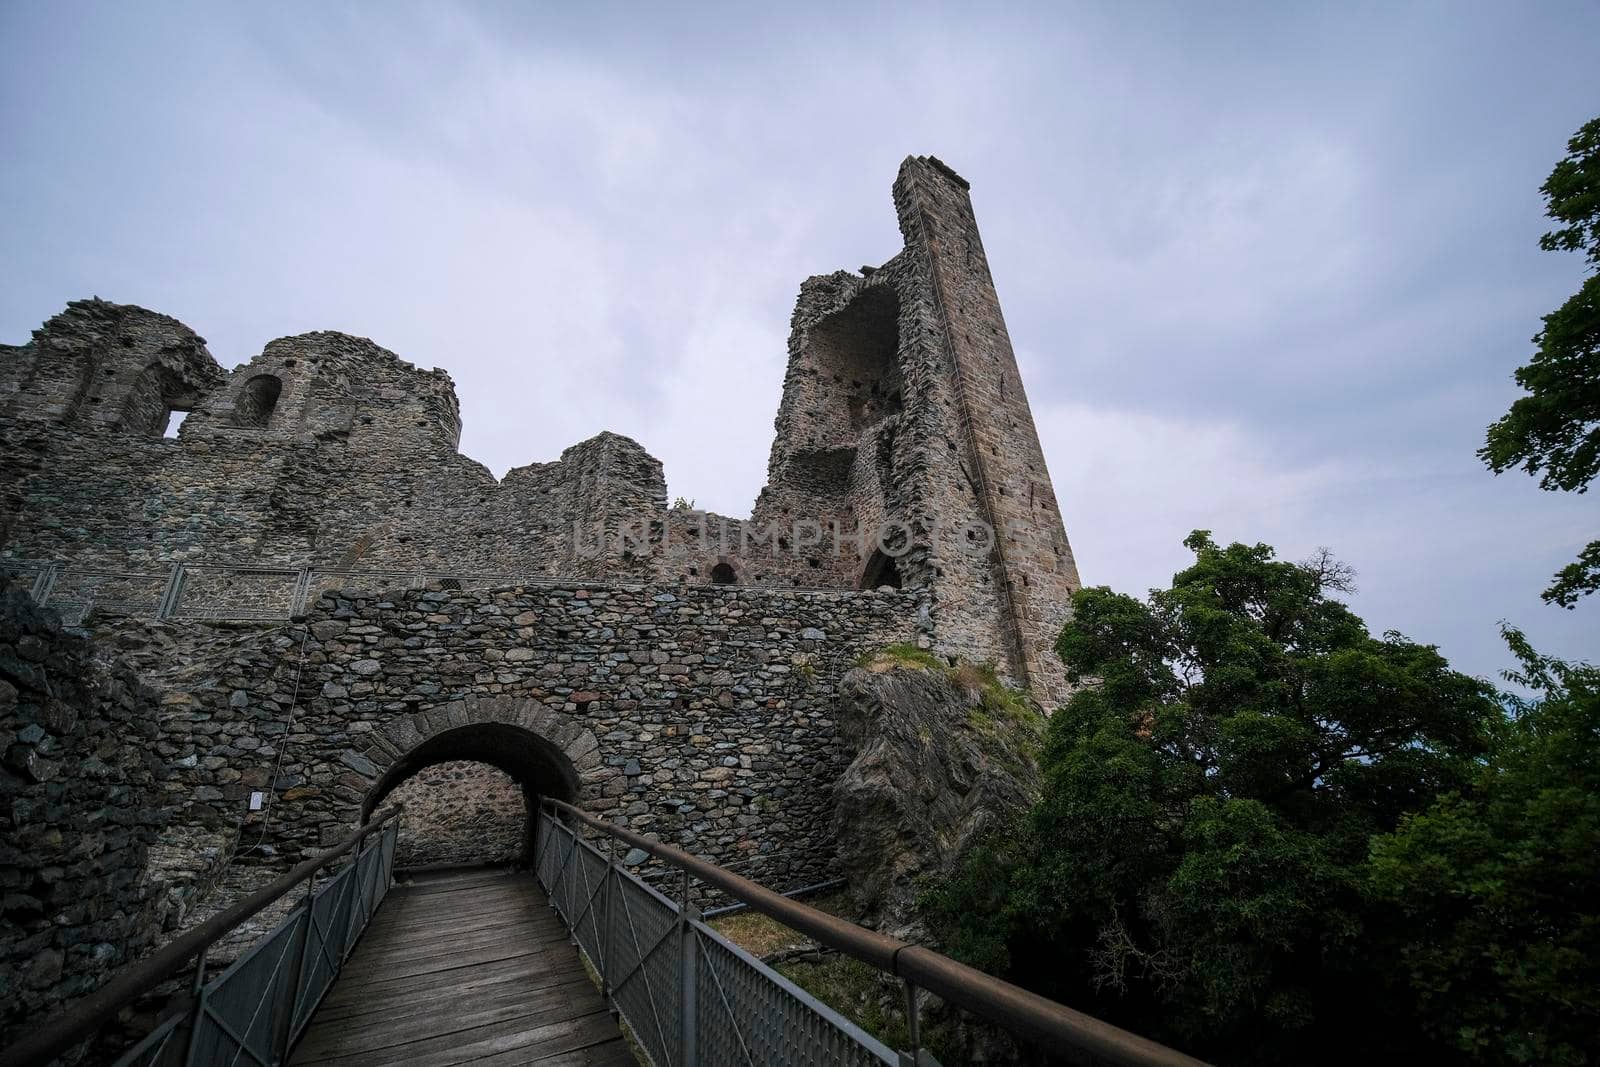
[464, 967]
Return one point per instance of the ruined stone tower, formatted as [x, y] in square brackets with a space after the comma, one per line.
[903, 405]
[905, 455]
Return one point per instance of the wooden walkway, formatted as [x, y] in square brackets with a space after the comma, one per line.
[464, 967]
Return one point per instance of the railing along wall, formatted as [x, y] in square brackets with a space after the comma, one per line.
[252, 593]
[258, 1006]
[689, 995]
[693, 998]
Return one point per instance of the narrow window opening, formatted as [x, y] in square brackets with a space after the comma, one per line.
[156, 402]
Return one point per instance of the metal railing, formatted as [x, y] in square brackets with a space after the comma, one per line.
[260, 1004]
[691, 997]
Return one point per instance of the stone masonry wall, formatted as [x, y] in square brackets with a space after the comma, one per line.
[1034, 573]
[79, 810]
[703, 714]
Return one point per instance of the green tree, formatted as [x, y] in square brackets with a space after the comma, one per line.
[1197, 866]
[1554, 431]
[1499, 884]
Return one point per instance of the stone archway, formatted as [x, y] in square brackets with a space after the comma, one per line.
[544, 751]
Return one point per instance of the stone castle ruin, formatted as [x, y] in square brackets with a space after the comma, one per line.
[903, 421]
[326, 598]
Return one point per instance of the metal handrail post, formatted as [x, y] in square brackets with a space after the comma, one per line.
[569, 867]
[688, 975]
[913, 1023]
[44, 582]
[302, 592]
[168, 605]
[391, 850]
[197, 1010]
[286, 1029]
[358, 897]
[608, 896]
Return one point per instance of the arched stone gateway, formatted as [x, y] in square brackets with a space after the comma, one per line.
[546, 752]
[542, 769]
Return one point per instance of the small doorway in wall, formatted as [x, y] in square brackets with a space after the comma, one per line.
[471, 794]
[724, 574]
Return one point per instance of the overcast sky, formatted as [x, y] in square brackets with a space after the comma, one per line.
[1267, 270]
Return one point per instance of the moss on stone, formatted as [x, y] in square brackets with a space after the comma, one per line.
[900, 656]
[1002, 714]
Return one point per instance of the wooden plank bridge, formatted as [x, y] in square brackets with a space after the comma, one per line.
[464, 967]
[476, 966]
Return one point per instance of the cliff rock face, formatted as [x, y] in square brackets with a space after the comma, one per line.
[942, 756]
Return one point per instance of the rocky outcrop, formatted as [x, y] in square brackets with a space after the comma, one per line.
[943, 755]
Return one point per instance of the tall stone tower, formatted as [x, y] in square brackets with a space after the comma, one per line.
[903, 407]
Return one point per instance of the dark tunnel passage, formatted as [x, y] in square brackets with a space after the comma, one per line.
[470, 794]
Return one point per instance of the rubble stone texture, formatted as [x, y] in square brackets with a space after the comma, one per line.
[676, 671]
[460, 814]
[79, 811]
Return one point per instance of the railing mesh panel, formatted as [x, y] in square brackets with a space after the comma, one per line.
[75, 595]
[237, 593]
[587, 917]
[646, 977]
[743, 1011]
[241, 1013]
[749, 1014]
[253, 1010]
[325, 943]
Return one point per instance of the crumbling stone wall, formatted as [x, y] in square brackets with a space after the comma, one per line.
[79, 810]
[1033, 572]
[902, 410]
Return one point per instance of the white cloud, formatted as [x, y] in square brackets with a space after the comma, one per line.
[1265, 275]
[1442, 553]
[1133, 485]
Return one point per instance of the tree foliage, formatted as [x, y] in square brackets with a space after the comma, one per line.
[1235, 802]
[1499, 884]
[1554, 431]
